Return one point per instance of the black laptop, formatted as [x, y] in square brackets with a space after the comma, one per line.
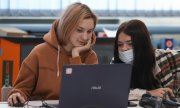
[95, 86]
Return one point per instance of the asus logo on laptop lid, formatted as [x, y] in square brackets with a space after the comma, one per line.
[96, 88]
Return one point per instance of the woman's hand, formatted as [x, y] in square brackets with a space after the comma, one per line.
[77, 50]
[13, 99]
[160, 92]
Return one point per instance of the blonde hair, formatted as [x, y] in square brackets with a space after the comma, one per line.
[72, 16]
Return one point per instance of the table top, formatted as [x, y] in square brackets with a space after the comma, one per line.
[32, 104]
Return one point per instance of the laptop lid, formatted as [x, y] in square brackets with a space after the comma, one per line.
[95, 86]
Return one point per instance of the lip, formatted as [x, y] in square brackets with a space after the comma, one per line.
[82, 43]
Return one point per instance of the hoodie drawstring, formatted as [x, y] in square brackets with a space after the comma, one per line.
[58, 61]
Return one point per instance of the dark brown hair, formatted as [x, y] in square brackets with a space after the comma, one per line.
[144, 57]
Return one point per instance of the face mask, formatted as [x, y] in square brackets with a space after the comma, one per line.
[126, 56]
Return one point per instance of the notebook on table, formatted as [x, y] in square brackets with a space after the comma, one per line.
[95, 86]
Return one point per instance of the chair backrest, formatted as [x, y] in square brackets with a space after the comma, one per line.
[4, 91]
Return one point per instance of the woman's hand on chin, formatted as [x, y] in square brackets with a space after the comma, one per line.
[77, 50]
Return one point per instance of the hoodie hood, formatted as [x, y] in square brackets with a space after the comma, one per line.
[51, 37]
[52, 40]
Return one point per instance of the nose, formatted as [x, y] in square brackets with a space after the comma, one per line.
[124, 47]
[85, 36]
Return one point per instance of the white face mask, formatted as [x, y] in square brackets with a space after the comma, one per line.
[126, 56]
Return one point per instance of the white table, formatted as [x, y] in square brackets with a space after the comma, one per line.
[39, 103]
[31, 104]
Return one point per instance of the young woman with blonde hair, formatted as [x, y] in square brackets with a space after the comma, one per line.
[69, 41]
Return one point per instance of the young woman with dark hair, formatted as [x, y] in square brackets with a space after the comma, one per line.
[153, 70]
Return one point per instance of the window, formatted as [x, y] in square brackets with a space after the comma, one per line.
[101, 7]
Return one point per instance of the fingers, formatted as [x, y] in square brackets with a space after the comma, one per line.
[21, 98]
[89, 42]
[77, 50]
[166, 90]
[169, 91]
[10, 100]
[160, 95]
[13, 99]
[161, 92]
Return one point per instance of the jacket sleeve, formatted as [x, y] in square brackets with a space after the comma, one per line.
[169, 63]
[26, 80]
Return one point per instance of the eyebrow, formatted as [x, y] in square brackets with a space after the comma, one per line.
[84, 28]
[125, 41]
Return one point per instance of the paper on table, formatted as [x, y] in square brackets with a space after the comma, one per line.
[110, 33]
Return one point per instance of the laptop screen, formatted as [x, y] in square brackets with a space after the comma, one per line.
[95, 86]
